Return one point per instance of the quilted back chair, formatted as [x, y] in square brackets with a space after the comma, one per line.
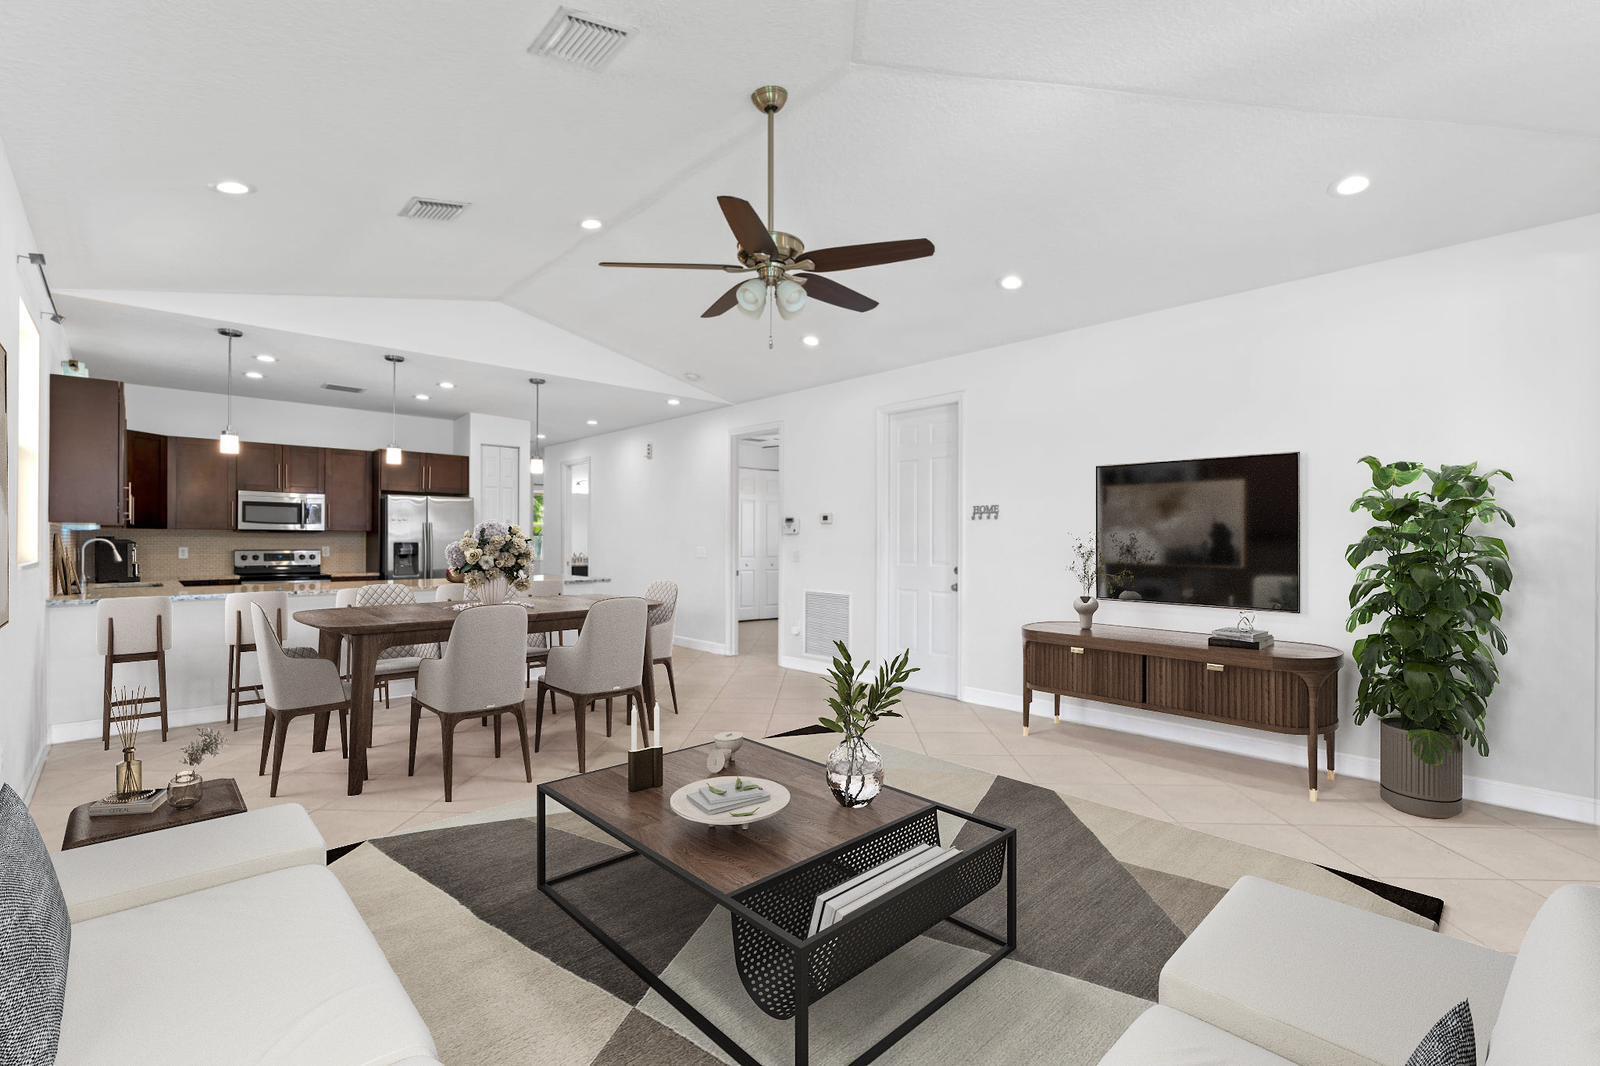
[389, 594]
[663, 620]
[454, 592]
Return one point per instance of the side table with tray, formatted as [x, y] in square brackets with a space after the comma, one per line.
[220, 798]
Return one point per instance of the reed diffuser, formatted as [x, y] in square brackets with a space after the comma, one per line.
[130, 772]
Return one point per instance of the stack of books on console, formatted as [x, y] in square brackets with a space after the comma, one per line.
[844, 899]
[734, 797]
[1234, 637]
[147, 801]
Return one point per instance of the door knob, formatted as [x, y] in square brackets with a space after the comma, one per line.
[955, 586]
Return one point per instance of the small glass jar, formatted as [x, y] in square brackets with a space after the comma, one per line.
[183, 791]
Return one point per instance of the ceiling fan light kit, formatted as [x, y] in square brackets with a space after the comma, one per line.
[786, 275]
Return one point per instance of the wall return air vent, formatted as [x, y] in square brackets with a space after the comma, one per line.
[432, 209]
[574, 37]
[827, 620]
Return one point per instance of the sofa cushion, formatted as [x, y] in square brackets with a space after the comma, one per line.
[1450, 1042]
[1549, 1017]
[133, 871]
[35, 939]
[1162, 1036]
[1315, 981]
[272, 970]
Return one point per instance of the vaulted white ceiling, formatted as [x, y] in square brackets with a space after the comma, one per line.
[1121, 155]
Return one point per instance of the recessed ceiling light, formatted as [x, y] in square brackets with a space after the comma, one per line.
[810, 340]
[254, 375]
[1351, 185]
[1011, 282]
[265, 358]
[447, 384]
[421, 396]
[232, 188]
[592, 422]
[673, 401]
[591, 223]
[690, 375]
[541, 436]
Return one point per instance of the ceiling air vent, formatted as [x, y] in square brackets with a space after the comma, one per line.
[331, 387]
[574, 37]
[426, 207]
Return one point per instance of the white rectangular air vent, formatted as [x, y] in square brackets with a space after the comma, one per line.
[827, 620]
[574, 37]
[331, 387]
[432, 209]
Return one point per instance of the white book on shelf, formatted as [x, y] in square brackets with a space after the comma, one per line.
[841, 907]
[823, 898]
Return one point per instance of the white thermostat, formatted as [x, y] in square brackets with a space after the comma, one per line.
[791, 526]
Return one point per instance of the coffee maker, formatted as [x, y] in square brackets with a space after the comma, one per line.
[105, 569]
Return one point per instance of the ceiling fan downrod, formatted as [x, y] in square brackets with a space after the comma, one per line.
[769, 100]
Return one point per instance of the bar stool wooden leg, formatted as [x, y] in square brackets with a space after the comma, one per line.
[161, 683]
[105, 724]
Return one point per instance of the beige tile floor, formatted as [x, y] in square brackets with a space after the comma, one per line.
[1493, 867]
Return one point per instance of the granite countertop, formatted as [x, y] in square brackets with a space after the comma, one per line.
[181, 593]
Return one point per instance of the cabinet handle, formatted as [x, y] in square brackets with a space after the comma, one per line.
[130, 503]
[1077, 651]
[1215, 668]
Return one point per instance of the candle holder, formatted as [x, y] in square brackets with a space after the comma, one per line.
[644, 769]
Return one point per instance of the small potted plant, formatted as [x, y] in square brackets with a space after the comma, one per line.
[1083, 569]
[490, 559]
[854, 769]
[183, 791]
[1432, 580]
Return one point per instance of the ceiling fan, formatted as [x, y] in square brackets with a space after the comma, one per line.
[784, 271]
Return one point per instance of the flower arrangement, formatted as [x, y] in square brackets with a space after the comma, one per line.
[1083, 566]
[492, 551]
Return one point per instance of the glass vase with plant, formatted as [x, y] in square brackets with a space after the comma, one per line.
[855, 769]
[183, 791]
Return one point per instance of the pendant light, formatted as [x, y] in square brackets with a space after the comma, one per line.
[392, 455]
[228, 440]
[536, 450]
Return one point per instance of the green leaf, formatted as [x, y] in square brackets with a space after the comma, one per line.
[715, 791]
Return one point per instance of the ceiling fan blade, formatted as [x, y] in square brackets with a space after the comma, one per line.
[730, 267]
[748, 229]
[831, 292]
[851, 256]
[725, 302]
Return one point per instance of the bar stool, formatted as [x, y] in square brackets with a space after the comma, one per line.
[602, 664]
[134, 631]
[662, 622]
[294, 686]
[239, 634]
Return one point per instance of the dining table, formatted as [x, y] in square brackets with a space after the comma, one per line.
[369, 631]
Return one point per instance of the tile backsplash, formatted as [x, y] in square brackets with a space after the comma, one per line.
[211, 551]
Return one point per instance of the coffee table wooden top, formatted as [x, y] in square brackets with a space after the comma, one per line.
[728, 859]
[218, 797]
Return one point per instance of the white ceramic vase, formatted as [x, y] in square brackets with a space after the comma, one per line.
[1085, 606]
[493, 589]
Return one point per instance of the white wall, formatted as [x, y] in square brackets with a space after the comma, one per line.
[22, 641]
[185, 413]
[1484, 351]
[472, 432]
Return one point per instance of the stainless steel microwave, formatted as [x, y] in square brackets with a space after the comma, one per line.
[291, 511]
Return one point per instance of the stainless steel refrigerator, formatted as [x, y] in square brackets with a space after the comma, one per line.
[417, 529]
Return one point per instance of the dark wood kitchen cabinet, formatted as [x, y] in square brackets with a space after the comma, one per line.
[88, 466]
[447, 475]
[347, 482]
[200, 484]
[147, 480]
[278, 468]
[435, 472]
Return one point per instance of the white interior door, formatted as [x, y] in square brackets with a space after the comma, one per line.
[923, 544]
[760, 521]
[499, 481]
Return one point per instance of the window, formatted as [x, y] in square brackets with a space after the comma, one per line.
[27, 438]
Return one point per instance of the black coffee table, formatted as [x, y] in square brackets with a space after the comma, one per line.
[768, 874]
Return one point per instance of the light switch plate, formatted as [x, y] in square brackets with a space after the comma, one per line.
[327, 550]
[183, 553]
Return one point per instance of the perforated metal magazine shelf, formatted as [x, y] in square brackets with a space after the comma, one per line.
[784, 970]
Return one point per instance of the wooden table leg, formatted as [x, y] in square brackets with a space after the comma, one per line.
[327, 648]
[363, 675]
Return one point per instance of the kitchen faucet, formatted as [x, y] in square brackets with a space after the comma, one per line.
[83, 577]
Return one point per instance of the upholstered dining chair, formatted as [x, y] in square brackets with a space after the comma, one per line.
[481, 672]
[662, 621]
[400, 662]
[240, 636]
[453, 592]
[603, 663]
[133, 631]
[292, 687]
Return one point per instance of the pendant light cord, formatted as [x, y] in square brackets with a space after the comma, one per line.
[394, 403]
[229, 387]
[537, 450]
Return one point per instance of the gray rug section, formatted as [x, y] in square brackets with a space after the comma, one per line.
[1080, 912]
[642, 1041]
[490, 869]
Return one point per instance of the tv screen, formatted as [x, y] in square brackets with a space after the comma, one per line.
[1216, 532]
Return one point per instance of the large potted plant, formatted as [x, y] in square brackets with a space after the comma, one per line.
[1432, 581]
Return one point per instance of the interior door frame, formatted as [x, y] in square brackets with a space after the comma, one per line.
[566, 509]
[730, 555]
[886, 414]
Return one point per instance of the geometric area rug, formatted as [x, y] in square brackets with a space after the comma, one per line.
[500, 974]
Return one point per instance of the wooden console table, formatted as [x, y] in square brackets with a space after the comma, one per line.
[1286, 688]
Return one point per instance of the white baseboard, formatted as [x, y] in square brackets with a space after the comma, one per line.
[1258, 745]
[710, 647]
[30, 780]
[810, 666]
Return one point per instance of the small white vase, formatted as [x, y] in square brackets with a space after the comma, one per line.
[1085, 606]
[493, 589]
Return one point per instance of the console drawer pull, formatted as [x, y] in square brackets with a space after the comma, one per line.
[1215, 668]
[1077, 651]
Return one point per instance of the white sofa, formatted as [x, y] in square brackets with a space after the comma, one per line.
[226, 941]
[1274, 977]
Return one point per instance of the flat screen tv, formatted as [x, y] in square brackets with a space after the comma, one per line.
[1215, 532]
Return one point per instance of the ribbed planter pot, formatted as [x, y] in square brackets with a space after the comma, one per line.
[1410, 785]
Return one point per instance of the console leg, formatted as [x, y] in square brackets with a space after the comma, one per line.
[1058, 706]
